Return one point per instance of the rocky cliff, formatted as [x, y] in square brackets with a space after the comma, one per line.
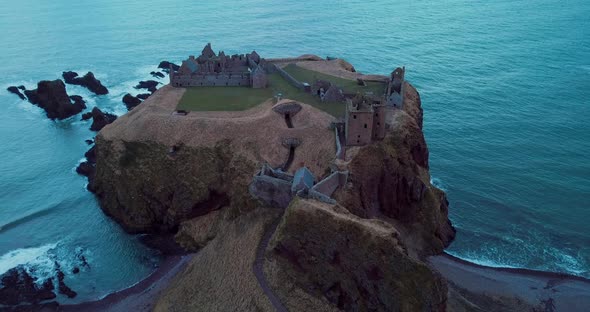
[157, 172]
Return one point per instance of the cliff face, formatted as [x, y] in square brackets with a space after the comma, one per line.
[147, 189]
[158, 172]
[389, 180]
[353, 264]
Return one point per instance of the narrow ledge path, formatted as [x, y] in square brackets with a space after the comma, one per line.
[258, 267]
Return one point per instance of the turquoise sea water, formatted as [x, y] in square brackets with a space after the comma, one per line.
[505, 87]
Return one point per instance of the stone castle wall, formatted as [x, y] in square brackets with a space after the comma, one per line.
[296, 83]
[202, 80]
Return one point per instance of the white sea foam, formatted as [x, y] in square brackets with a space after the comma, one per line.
[438, 183]
[38, 257]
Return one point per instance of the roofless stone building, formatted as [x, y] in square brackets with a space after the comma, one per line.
[210, 69]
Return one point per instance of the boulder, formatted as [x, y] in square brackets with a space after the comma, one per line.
[53, 98]
[100, 119]
[15, 90]
[86, 116]
[88, 81]
[165, 66]
[157, 74]
[130, 101]
[150, 85]
[89, 142]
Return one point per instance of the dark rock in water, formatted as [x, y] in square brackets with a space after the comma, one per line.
[143, 96]
[148, 84]
[53, 98]
[22, 87]
[78, 100]
[100, 119]
[86, 169]
[20, 287]
[88, 81]
[62, 287]
[86, 116]
[131, 101]
[157, 74]
[15, 90]
[165, 66]
[91, 155]
[76, 270]
[89, 141]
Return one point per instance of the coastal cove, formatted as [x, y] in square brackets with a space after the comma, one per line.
[505, 138]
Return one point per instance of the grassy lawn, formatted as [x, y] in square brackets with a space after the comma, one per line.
[349, 86]
[278, 84]
[242, 98]
[222, 98]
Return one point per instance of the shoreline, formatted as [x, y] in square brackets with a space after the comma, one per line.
[538, 288]
[139, 297]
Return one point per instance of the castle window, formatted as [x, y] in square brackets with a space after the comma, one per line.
[353, 116]
[365, 126]
[358, 141]
[376, 114]
[378, 124]
[359, 135]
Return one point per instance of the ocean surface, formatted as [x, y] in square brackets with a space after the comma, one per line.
[505, 86]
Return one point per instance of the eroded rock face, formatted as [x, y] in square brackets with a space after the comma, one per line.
[130, 101]
[390, 179]
[88, 81]
[53, 98]
[100, 119]
[150, 85]
[17, 286]
[148, 188]
[355, 264]
[16, 90]
[165, 66]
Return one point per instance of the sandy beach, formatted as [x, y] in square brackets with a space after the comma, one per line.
[547, 290]
[140, 297]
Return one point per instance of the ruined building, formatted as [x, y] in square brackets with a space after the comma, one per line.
[364, 120]
[395, 87]
[210, 69]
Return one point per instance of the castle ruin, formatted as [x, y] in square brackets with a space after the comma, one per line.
[210, 69]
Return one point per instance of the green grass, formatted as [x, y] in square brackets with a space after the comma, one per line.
[242, 98]
[222, 98]
[279, 85]
[348, 85]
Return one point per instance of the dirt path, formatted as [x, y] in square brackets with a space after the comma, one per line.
[259, 264]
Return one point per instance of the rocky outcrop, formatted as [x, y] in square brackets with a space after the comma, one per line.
[390, 180]
[165, 66]
[100, 119]
[150, 85]
[143, 96]
[130, 101]
[355, 264]
[18, 286]
[88, 81]
[53, 98]
[157, 74]
[16, 90]
[191, 183]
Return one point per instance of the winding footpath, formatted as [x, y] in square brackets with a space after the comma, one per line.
[259, 264]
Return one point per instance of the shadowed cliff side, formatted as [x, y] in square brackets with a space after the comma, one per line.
[389, 180]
